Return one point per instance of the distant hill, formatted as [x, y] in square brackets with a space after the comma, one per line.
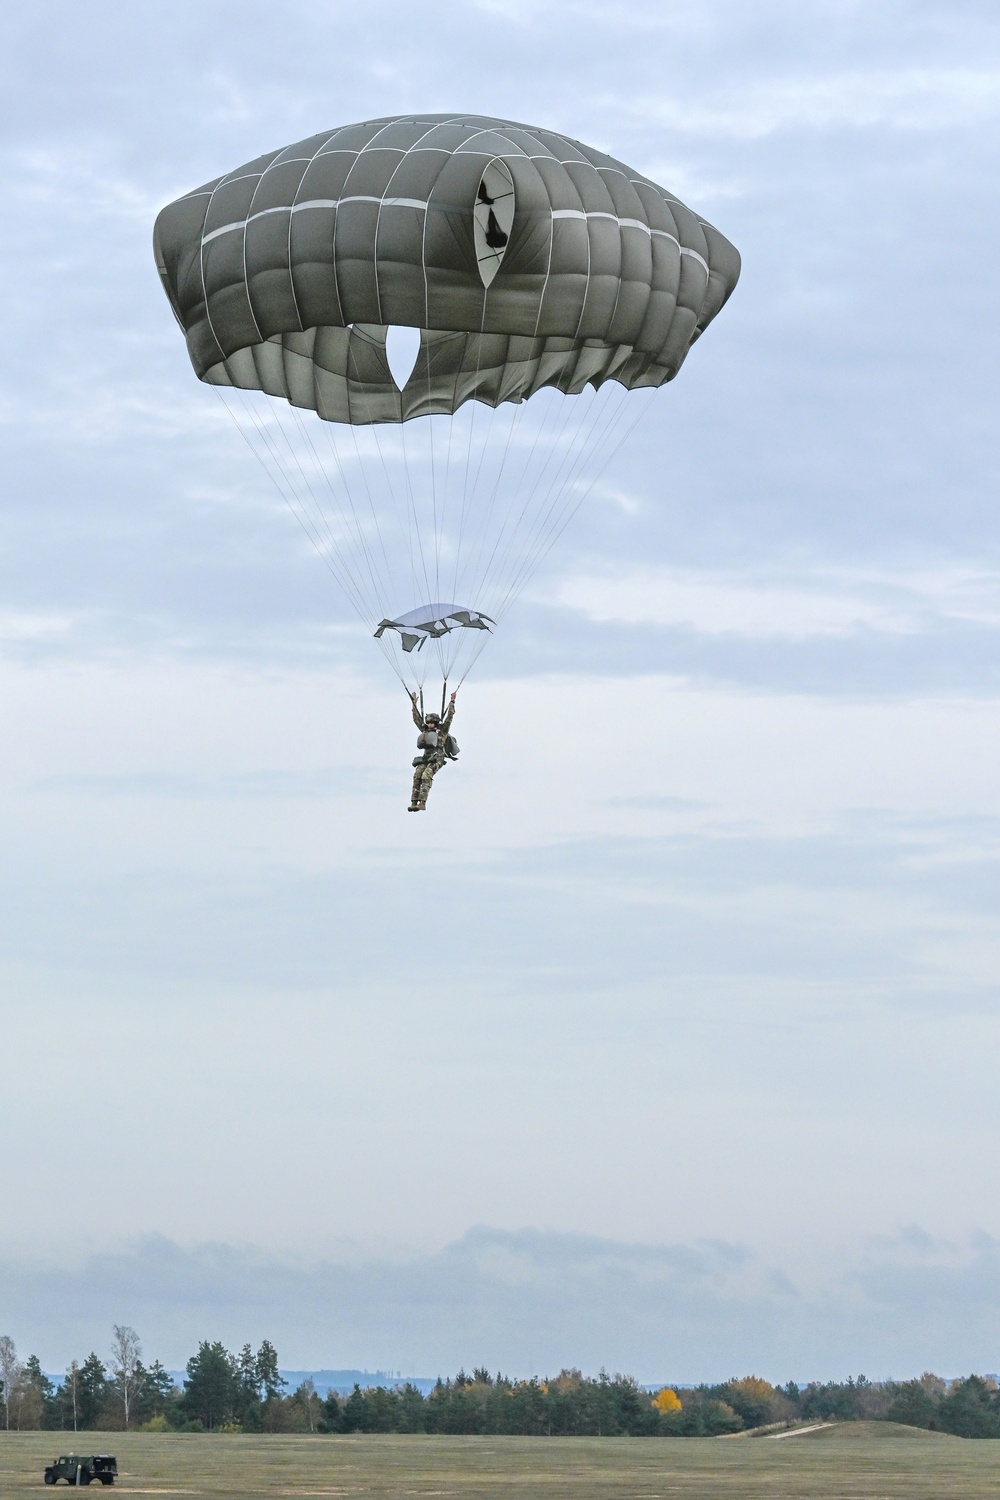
[344, 1381]
[341, 1381]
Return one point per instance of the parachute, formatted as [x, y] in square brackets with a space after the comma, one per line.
[431, 330]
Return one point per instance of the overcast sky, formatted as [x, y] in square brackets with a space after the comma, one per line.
[668, 1039]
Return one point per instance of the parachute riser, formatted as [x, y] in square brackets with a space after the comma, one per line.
[444, 698]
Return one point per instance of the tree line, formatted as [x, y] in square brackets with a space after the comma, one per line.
[244, 1392]
[573, 1405]
[222, 1391]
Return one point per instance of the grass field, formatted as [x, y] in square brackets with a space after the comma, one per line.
[837, 1463]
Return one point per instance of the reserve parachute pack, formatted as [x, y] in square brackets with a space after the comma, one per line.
[430, 739]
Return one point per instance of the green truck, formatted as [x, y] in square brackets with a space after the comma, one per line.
[77, 1470]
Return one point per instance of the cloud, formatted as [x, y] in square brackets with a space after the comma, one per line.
[251, 785]
[924, 99]
[529, 1302]
[710, 903]
[899, 906]
[825, 603]
[26, 629]
[715, 604]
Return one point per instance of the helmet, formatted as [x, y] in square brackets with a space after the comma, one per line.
[432, 718]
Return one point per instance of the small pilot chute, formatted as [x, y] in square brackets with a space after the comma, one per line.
[432, 621]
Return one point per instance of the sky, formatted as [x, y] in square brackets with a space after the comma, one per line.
[666, 1041]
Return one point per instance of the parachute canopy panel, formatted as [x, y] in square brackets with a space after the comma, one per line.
[524, 258]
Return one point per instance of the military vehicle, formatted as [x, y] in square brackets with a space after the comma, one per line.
[76, 1470]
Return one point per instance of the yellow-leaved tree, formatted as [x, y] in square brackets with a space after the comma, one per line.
[666, 1401]
[755, 1400]
[753, 1388]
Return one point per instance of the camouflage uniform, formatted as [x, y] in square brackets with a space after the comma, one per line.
[431, 761]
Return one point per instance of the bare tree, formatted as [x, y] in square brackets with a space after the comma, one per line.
[310, 1401]
[10, 1373]
[125, 1352]
[72, 1381]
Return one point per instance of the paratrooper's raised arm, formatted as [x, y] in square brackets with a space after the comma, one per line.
[417, 716]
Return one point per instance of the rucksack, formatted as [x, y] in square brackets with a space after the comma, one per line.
[451, 747]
